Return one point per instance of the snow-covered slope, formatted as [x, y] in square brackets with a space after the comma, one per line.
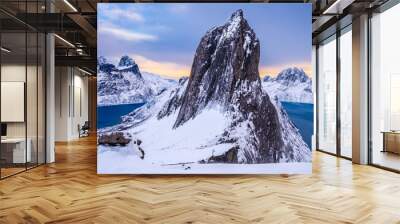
[124, 83]
[291, 85]
[157, 83]
[219, 115]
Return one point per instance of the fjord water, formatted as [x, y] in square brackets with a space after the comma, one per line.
[301, 114]
[111, 115]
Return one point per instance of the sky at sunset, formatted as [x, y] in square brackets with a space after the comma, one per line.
[162, 38]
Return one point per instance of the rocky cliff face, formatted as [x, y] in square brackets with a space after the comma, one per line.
[225, 73]
[226, 58]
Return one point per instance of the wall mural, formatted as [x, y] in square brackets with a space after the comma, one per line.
[204, 88]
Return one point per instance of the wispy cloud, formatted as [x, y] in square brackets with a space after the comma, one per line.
[118, 14]
[121, 33]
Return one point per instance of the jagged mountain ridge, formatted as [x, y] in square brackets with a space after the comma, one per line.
[225, 76]
[125, 84]
[290, 85]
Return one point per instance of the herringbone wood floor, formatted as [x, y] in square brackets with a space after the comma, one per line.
[70, 191]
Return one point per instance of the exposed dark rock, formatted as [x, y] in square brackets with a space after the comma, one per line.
[137, 142]
[107, 68]
[127, 64]
[226, 58]
[228, 157]
[267, 78]
[126, 61]
[142, 152]
[115, 138]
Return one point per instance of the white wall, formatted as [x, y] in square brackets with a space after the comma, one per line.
[17, 73]
[13, 101]
[62, 82]
[71, 102]
[12, 73]
[80, 110]
[33, 126]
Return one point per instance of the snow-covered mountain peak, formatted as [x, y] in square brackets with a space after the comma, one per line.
[291, 84]
[125, 83]
[126, 61]
[237, 15]
[267, 78]
[236, 26]
[293, 74]
[101, 60]
[127, 64]
[104, 66]
[226, 59]
[235, 19]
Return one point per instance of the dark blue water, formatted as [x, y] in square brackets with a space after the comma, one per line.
[302, 115]
[111, 115]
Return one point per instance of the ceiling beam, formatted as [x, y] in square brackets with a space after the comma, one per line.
[338, 6]
[77, 61]
[49, 22]
[86, 26]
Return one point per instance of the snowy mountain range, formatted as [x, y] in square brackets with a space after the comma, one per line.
[125, 84]
[290, 85]
[219, 115]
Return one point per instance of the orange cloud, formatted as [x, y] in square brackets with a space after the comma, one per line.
[169, 69]
[175, 70]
